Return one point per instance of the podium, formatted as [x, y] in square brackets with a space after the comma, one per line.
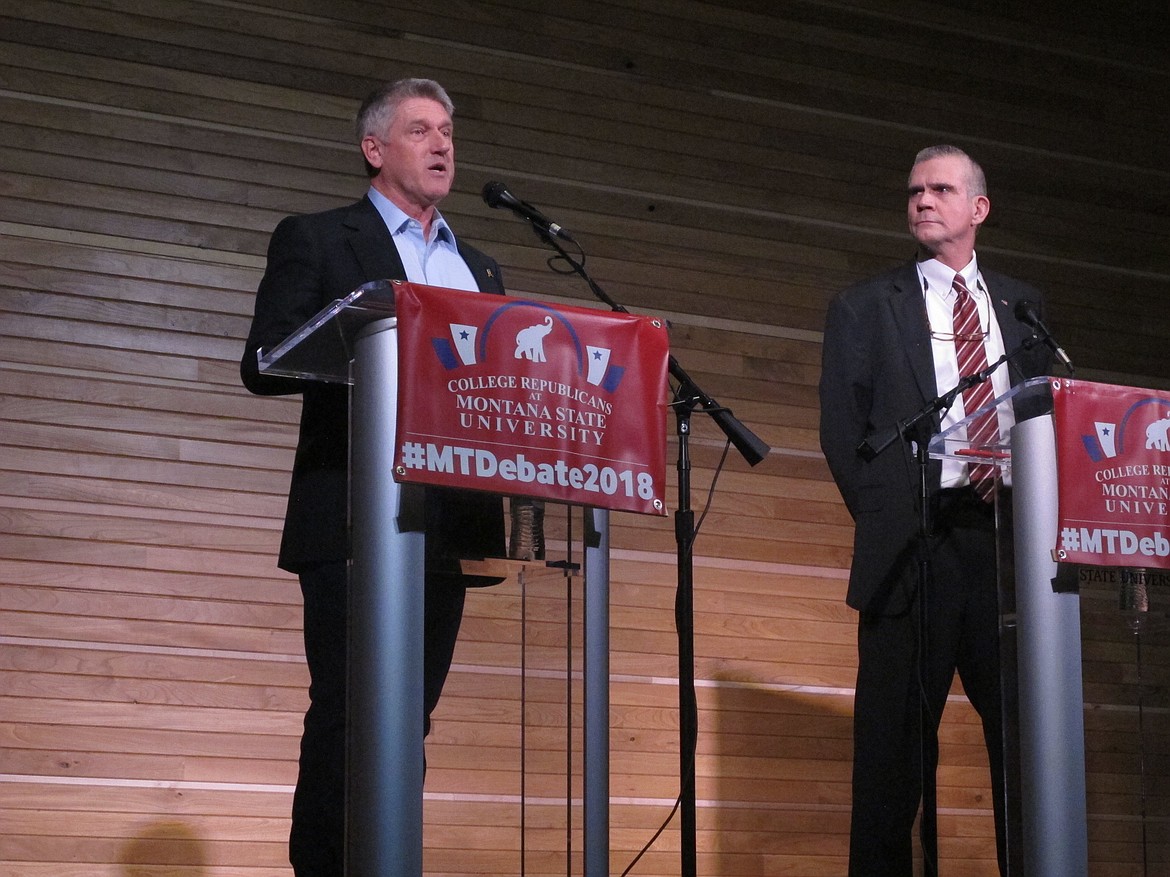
[1044, 752]
[354, 341]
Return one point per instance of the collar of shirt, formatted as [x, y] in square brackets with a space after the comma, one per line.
[436, 262]
[938, 278]
[398, 222]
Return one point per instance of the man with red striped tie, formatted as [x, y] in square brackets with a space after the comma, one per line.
[892, 344]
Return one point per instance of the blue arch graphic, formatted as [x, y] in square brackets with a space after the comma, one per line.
[1130, 412]
[555, 314]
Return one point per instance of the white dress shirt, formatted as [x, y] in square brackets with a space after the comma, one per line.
[939, 295]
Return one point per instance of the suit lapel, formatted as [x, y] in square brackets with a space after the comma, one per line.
[371, 243]
[910, 317]
[373, 246]
[1004, 295]
[1003, 300]
[484, 274]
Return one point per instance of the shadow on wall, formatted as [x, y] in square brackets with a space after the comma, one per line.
[162, 846]
[784, 776]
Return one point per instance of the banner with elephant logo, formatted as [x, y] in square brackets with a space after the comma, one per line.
[1113, 457]
[529, 399]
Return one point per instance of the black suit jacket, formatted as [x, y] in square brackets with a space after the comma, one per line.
[313, 260]
[877, 370]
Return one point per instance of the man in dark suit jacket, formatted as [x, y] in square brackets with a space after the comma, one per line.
[889, 349]
[395, 232]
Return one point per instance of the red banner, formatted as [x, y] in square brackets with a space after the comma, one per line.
[1113, 458]
[523, 398]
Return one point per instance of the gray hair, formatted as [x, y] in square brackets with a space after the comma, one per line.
[378, 109]
[976, 181]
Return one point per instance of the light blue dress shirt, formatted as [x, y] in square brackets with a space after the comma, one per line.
[435, 262]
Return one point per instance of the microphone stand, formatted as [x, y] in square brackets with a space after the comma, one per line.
[688, 397]
[917, 430]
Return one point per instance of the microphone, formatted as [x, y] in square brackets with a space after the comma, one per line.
[497, 195]
[1026, 313]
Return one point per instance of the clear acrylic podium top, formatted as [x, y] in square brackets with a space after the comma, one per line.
[322, 349]
[1029, 398]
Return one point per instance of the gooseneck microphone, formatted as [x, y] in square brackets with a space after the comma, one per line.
[1026, 313]
[496, 194]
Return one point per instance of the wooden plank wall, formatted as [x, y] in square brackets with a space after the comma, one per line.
[728, 164]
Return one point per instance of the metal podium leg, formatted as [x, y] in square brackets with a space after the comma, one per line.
[596, 695]
[1052, 723]
[384, 746]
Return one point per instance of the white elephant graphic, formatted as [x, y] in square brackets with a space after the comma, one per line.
[1156, 435]
[530, 341]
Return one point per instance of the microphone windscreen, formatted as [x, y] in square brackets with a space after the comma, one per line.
[493, 193]
[1026, 313]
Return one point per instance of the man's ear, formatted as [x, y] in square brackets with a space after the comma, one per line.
[372, 150]
[980, 208]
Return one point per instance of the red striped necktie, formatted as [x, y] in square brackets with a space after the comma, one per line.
[983, 431]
